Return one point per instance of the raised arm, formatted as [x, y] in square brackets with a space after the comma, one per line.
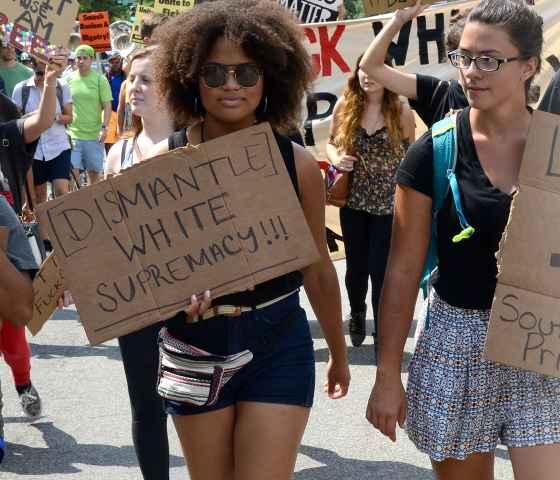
[409, 244]
[38, 122]
[320, 280]
[373, 61]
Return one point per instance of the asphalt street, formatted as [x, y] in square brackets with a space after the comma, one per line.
[85, 431]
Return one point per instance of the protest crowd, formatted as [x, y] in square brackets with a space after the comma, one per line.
[235, 369]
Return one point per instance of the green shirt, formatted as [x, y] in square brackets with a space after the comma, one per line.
[89, 93]
[13, 75]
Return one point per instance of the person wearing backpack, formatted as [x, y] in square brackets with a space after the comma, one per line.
[459, 405]
[151, 123]
[52, 155]
[370, 131]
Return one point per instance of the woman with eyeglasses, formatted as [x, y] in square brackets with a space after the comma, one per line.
[234, 64]
[459, 405]
[151, 123]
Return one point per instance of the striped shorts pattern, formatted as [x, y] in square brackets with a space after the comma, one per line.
[460, 404]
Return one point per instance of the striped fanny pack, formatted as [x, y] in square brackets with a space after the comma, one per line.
[191, 375]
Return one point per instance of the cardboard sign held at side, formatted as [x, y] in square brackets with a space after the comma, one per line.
[223, 216]
[377, 7]
[48, 286]
[524, 329]
[94, 29]
[35, 27]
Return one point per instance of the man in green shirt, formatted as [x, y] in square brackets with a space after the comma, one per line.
[11, 71]
[91, 97]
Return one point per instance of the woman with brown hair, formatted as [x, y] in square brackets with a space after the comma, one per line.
[370, 131]
[151, 123]
[234, 64]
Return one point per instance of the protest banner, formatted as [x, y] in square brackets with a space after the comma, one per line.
[36, 27]
[222, 216]
[312, 11]
[524, 328]
[141, 11]
[94, 29]
[48, 286]
[377, 7]
[170, 8]
[335, 47]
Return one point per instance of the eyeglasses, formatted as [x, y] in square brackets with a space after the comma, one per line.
[486, 64]
[215, 74]
[39, 73]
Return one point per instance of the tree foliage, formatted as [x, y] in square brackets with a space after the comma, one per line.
[354, 9]
[117, 11]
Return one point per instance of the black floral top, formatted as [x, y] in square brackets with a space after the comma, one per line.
[372, 190]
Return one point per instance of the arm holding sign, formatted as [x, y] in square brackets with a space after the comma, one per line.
[373, 61]
[43, 119]
[320, 280]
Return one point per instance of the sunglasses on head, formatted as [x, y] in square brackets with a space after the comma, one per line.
[216, 74]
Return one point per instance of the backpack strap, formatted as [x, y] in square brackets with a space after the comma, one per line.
[123, 150]
[445, 151]
[59, 96]
[24, 97]
[177, 139]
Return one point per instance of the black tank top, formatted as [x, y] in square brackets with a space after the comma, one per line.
[278, 286]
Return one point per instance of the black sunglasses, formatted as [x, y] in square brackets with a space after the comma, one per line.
[215, 75]
[39, 73]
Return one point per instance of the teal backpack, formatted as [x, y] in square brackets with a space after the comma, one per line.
[444, 137]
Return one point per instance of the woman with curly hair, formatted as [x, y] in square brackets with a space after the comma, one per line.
[233, 64]
[369, 134]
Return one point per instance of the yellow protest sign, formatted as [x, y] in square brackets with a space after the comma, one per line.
[173, 7]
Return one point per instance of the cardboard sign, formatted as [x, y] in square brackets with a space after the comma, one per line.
[223, 216]
[171, 8]
[48, 286]
[4, 236]
[141, 11]
[524, 329]
[94, 29]
[377, 7]
[312, 11]
[36, 27]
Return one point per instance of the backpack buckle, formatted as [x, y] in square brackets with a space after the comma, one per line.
[5, 142]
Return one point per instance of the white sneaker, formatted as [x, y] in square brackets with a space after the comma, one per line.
[31, 402]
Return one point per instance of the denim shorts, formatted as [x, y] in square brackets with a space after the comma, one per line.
[282, 370]
[49, 170]
[88, 155]
[460, 404]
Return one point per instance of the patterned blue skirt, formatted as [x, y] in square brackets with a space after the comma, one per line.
[460, 404]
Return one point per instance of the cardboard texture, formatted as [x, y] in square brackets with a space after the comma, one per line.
[141, 11]
[223, 216]
[48, 286]
[173, 7]
[4, 235]
[377, 7]
[50, 22]
[524, 329]
[94, 29]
